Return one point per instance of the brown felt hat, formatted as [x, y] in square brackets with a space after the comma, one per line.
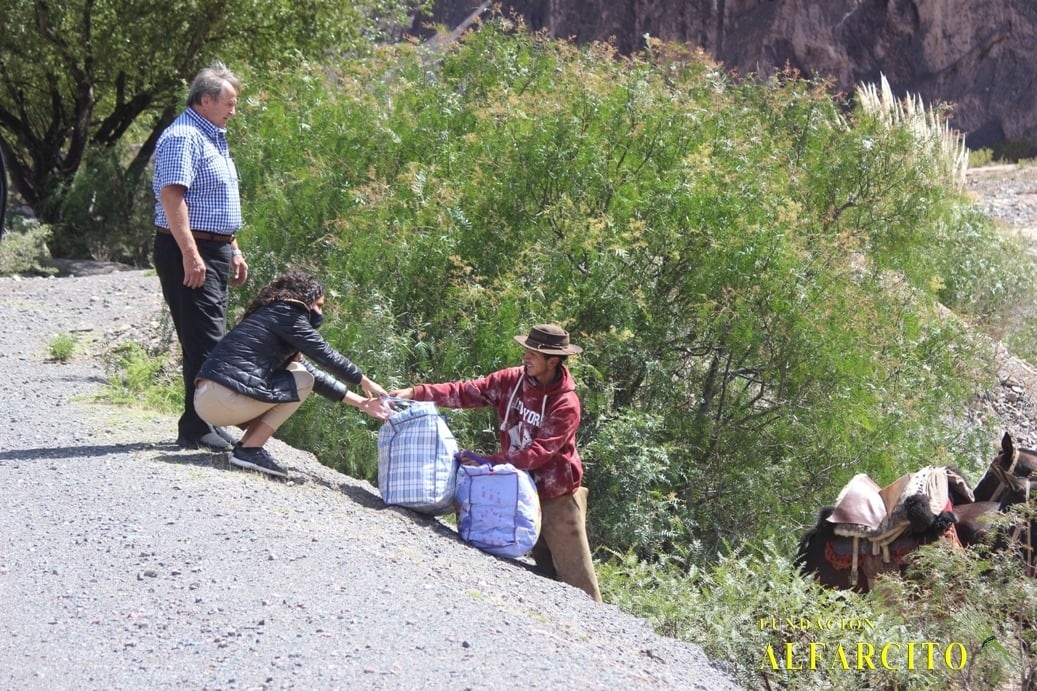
[549, 340]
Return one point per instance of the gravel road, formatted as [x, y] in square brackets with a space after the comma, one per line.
[126, 563]
[1008, 194]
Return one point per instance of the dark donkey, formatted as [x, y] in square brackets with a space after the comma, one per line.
[1006, 482]
[872, 530]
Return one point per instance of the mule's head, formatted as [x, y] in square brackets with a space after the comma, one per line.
[1008, 477]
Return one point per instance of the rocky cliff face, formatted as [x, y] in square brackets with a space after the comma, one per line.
[977, 56]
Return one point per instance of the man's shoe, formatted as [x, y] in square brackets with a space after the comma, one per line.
[256, 458]
[225, 435]
[210, 441]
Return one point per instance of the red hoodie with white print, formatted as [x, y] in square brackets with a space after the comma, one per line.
[537, 423]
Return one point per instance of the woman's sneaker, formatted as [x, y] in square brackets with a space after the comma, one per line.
[256, 458]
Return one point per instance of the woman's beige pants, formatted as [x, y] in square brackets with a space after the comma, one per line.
[563, 551]
[221, 406]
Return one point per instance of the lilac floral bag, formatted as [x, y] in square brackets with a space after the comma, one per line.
[498, 509]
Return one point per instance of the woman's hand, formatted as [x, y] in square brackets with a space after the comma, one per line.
[375, 408]
[371, 389]
[406, 394]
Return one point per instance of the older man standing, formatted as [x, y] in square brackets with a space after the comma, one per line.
[197, 217]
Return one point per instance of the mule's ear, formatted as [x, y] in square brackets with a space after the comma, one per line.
[1006, 444]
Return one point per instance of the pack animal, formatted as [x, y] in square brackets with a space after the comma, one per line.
[836, 553]
[1006, 482]
[871, 530]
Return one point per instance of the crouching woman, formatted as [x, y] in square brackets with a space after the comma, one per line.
[259, 374]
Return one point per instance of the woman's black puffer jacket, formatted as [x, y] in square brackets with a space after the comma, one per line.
[252, 358]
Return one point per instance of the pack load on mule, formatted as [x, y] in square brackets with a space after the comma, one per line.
[871, 529]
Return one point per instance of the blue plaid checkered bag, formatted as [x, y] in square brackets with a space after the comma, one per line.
[416, 465]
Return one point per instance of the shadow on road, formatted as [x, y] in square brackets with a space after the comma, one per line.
[59, 452]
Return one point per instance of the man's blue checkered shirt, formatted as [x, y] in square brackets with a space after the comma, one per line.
[194, 153]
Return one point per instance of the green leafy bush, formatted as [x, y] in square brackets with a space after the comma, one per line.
[136, 376]
[63, 346]
[756, 276]
[23, 249]
[106, 214]
[961, 621]
[981, 157]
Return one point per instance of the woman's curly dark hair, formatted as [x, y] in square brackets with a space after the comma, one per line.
[296, 286]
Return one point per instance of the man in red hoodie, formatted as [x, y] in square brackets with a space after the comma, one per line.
[539, 412]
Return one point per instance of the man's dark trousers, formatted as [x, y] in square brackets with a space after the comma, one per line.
[199, 314]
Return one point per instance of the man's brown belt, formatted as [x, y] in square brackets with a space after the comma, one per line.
[201, 235]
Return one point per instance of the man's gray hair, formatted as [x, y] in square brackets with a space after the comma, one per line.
[210, 82]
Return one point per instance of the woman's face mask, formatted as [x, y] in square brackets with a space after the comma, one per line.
[317, 313]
